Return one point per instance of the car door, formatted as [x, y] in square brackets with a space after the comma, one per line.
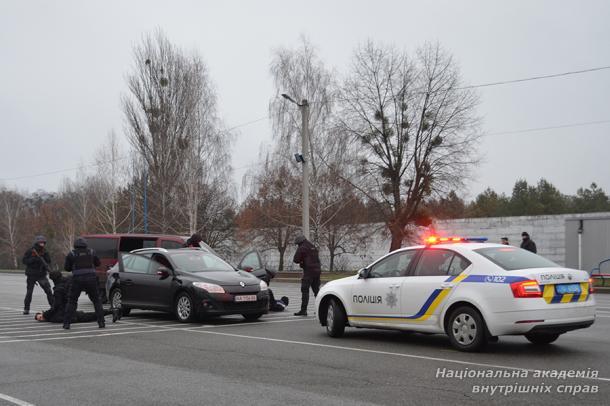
[429, 284]
[160, 287]
[135, 279]
[375, 300]
[253, 263]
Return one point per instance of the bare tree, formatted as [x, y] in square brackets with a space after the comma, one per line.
[12, 207]
[108, 186]
[206, 172]
[270, 213]
[301, 74]
[162, 112]
[415, 125]
[73, 207]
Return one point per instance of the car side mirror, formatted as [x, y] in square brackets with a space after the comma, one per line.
[163, 272]
[363, 273]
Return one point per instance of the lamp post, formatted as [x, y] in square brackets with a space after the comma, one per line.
[304, 108]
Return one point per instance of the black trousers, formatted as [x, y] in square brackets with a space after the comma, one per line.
[43, 282]
[89, 285]
[86, 317]
[307, 282]
[79, 317]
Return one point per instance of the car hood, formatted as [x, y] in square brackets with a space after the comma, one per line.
[348, 280]
[225, 278]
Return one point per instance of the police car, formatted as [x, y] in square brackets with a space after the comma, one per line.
[468, 289]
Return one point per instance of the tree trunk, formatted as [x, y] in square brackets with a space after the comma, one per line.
[280, 266]
[396, 230]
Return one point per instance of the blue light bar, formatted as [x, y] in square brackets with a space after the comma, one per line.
[476, 239]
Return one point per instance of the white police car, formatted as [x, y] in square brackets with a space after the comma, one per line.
[470, 290]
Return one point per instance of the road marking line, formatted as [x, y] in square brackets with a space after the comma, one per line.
[160, 329]
[11, 308]
[89, 336]
[14, 318]
[251, 323]
[57, 332]
[15, 400]
[395, 354]
[17, 323]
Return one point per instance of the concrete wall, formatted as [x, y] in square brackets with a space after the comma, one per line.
[548, 232]
[595, 241]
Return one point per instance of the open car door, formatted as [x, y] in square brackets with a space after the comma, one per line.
[252, 261]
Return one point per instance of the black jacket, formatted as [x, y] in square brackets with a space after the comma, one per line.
[309, 260]
[36, 262]
[529, 245]
[81, 261]
[60, 298]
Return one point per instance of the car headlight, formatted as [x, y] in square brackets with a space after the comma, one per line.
[264, 286]
[210, 287]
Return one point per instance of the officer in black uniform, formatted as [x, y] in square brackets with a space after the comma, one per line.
[81, 261]
[309, 260]
[37, 261]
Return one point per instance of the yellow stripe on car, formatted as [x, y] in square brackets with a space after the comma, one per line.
[428, 312]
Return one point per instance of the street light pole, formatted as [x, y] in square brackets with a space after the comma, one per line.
[304, 108]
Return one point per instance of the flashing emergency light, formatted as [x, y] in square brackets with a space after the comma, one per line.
[434, 239]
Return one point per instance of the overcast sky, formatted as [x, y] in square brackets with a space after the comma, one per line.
[63, 66]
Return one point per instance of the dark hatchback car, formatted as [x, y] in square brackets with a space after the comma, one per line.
[188, 282]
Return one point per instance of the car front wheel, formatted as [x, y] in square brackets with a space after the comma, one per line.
[184, 308]
[335, 319]
[542, 338]
[116, 301]
[466, 329]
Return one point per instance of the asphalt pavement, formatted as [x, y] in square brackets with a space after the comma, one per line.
[150, 359]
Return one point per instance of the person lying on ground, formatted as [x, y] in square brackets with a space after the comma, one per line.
[60, 298]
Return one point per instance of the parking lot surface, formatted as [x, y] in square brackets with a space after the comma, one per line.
[150, 359]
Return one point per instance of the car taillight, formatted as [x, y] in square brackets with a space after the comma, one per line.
[591, 288]
[528, 288]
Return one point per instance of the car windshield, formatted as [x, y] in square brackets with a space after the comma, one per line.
[513, 258]
[198, 261]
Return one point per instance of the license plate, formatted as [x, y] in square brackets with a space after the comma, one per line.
[245, 298]
[567, 288]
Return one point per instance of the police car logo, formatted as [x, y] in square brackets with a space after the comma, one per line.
[391, 299]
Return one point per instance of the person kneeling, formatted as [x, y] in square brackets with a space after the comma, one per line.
[60, 297]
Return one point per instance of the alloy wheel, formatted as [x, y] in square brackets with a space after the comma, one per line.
[184, 307]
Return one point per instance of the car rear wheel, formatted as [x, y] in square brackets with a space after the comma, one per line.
[335, 319]
[116, 297]
[252, 317]
[466, 329]
[542, 338]
[184, 308]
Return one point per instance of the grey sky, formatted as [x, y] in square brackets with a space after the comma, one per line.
[63, 67]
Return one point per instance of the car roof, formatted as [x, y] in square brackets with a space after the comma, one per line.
[168, 251]
[461, 245]
[134, 236]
